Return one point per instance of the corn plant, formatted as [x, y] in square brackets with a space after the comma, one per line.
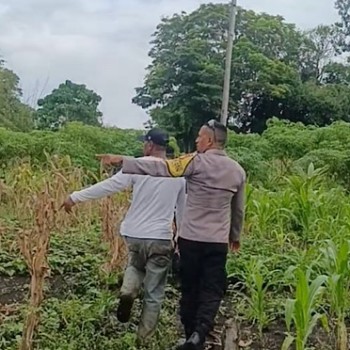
[336, 264]
[263, 211]
[34, 245]
[111, 215]
[305, 199]
[258, 284]
[302, 310]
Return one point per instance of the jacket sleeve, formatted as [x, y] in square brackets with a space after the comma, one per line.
[237, 213]
[114, 184]
[178, 167]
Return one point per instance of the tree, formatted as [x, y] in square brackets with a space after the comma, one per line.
[69, 102]
[263, 90]
[271, 35]
[336, 73]
[185, 77]
[14, 114]
[318, 50]
[183, 85]
[343, 7]
[322, 105]
[275, 69]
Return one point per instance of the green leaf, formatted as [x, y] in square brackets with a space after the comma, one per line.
[289, 311]
[288, 341]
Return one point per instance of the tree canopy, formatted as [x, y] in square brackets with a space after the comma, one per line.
[69, 102]
[277, 71]
[14, 114]
[343, 7]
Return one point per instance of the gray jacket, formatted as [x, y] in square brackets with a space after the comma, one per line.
[214, 209]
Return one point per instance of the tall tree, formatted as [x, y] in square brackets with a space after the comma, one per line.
[183, 85]
[271, 35]
[274, 68]
[69, 102]
[14, 114]
[318, 50]
[262, 88]
[343, 7]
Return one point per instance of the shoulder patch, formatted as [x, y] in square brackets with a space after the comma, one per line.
[178, 166]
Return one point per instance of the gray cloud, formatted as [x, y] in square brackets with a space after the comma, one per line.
[104, 43]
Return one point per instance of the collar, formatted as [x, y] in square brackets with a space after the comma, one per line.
[153, 158]
[219, 152]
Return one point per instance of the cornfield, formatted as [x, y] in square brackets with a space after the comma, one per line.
[33, 197]
[289, 284]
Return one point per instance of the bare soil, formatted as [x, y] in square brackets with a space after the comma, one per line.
[15, 289]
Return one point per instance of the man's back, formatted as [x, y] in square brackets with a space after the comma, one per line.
[211, 186]
[152, 207]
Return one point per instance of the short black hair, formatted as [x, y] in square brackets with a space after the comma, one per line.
[220, 131]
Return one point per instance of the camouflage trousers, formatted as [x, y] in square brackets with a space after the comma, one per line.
[148, 264]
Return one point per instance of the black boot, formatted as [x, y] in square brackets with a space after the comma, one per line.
[124, 309]
[188, 331]
[195, 342]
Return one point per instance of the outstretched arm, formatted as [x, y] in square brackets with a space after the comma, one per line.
[178, 167]
[114, 184]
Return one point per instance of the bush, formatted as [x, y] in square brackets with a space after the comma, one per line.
[290, 144]
[78, 141]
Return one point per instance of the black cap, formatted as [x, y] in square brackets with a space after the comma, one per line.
[157, 136]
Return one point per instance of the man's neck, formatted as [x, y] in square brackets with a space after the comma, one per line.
[217, 148]
[158, 155]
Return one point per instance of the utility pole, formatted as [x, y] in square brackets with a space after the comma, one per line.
[228, 63]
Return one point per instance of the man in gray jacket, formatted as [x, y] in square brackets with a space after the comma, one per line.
[212, 221]
[147, 229]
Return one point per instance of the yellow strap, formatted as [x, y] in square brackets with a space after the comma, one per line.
[178, 166]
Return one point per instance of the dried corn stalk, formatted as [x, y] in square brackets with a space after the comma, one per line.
[111, 219]
[23, 179]
[3, 190]
[34, 245]
[2, 231]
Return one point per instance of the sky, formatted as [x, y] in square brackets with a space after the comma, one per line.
[104, 43]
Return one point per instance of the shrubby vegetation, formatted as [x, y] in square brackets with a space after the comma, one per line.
[80, 142]
[281, 148]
